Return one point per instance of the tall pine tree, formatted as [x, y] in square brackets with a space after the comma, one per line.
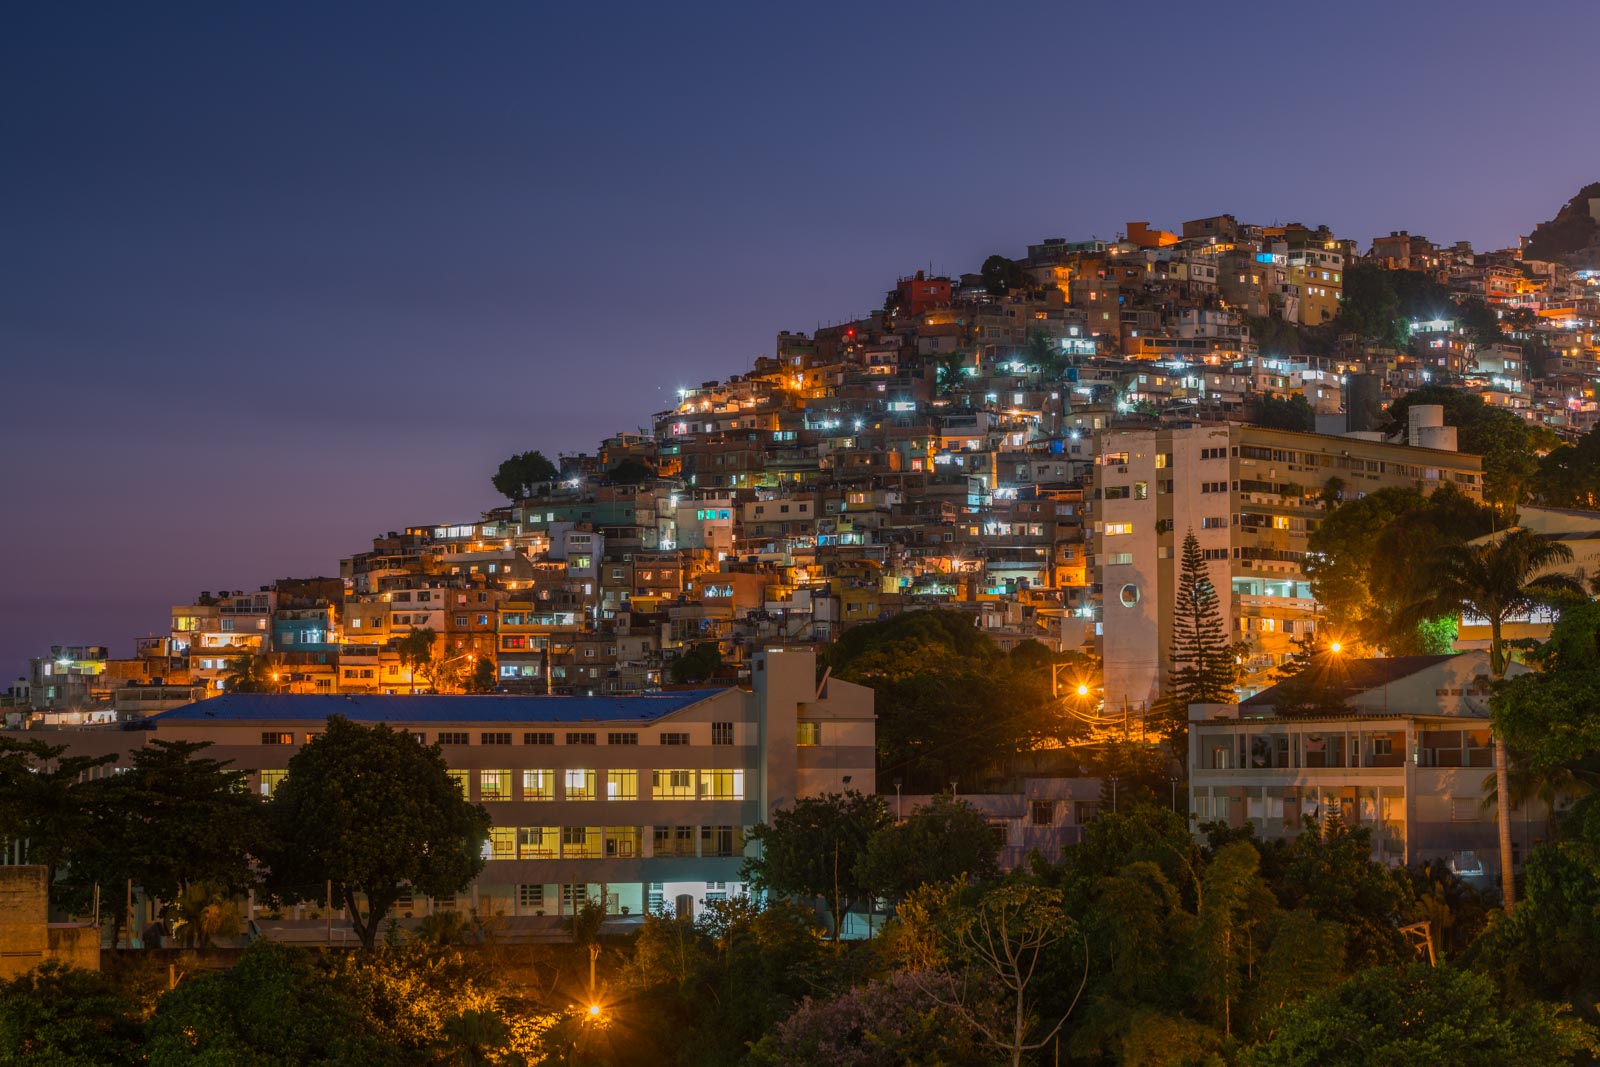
[1203, 659]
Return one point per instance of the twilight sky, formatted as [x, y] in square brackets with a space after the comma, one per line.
[274, 278]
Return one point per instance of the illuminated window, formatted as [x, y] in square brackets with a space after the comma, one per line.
[502, 842]
[461, 778]
[672, 785]
[538, 842]
[270, 780]
[538, 785]
[808, 734]
[622, 785]
[579, 783]
[623, 842]
[494, 785]
[722, 785]
[581, 842]
[1117, 529]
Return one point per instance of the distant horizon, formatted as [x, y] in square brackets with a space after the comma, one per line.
[283, 279]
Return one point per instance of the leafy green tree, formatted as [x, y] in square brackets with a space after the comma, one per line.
[699, 664]
[59, 1016]
[271, 1009]
[44, 804]
[1001, 275]
[1422, 1016]
[482, 679]
[1547, 947]
[175, 819]
[1284, 413]
[416, 652]
[519, 476]
[203, 912]
[1327, 870]
[1234, 902]
[1369, 565]
[1497, 581]
[997, 946]
[947, 839]
[812, 851]
[371, 810]
[950, 703]
[1371, 305]
[630, 471]
[1509, 444]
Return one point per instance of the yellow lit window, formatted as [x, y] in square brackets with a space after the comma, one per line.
[672, 785]
[503, 842]
[270, 780]
[809, 734]
[722, 785]
[579, 784]
[622, 785]
[539, 842]
[494, 785]
[461, 778]
[538, 785]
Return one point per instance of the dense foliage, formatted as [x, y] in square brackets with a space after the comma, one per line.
[951, 704]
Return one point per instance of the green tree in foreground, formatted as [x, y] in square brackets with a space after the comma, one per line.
[1420, 1016]
[812, 851]
[947, 839]
[371, 810]
[58, 1016]
[1498, 581]
[518, 476]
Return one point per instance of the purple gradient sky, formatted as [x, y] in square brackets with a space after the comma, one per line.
[274, 280]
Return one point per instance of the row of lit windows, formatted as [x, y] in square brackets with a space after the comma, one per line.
[611, 842]
[583, 783]
[579, 783]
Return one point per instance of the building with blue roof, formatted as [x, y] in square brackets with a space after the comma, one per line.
[642, 802]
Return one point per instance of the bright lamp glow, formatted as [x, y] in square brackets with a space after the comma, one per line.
[1336, 647]
[1083, 690]
[594, 1011]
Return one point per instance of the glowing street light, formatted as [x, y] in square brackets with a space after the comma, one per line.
[1083, 690]
[594, 1011]
[1335, 647]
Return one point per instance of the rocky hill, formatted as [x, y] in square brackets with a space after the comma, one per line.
[1574, 234]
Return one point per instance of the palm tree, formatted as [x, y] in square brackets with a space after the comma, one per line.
[1496, 581]
[1547, 786]
[949, 372]
[248, 674]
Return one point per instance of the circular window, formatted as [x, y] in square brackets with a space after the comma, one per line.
[1130, 595]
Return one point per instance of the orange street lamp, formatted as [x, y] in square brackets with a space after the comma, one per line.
[1336, 648]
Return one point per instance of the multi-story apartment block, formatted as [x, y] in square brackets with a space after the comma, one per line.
[1251, 496]
[1408, 758]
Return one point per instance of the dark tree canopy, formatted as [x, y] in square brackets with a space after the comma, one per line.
[1284, 413]
[371, 809]
[947, 839]
[950, 703]
[812, 850]
[519, 476]
[1509, 444]
[698, 664]
[1203, 669]
[1001, 275]
[631, 471]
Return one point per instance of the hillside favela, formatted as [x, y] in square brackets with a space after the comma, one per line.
[1171, 648]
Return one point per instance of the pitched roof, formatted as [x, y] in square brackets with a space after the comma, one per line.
[1353, 676]
[288, 707]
